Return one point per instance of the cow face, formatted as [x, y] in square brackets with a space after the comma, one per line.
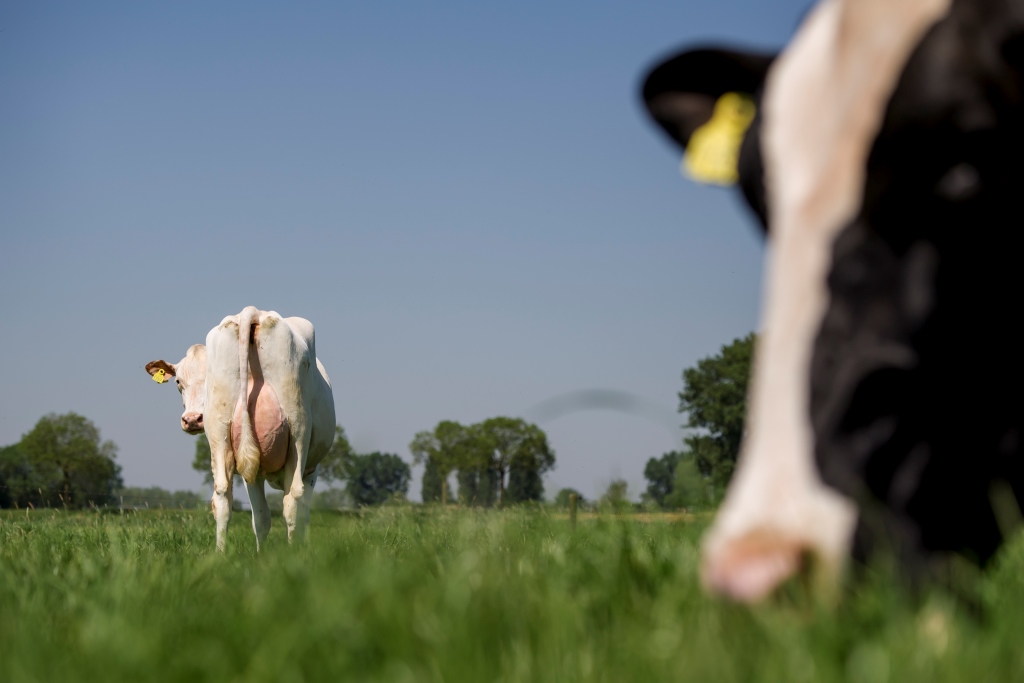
[189, 374]
[884, 163]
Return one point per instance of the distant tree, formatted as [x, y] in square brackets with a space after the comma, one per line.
[562, 498]
[333, 467]
[373, 478]
[433, 488]
[201, 460]
[18, 483]
[156, 497]
[329, 499]
[690, 489]
[502, 444]
[661, 474]
[443, 450]
[478, 484]
[69, 459]
[616, 496]
[524, 482]
[202, 463]
[5, 492]
[714, 399]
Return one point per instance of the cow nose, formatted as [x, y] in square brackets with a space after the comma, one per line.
[191, 422]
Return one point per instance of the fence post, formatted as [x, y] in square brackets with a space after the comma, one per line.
[573, 503]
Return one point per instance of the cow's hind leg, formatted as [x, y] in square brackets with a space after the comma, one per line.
[299, 489]
[260, 511]
[296, 513]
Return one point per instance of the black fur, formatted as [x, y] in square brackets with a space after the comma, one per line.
[680, 95]
[917, 372]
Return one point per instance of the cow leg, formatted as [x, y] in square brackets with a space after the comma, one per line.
[296, 497]
[260, 511]
[223, 470]
[222, 499]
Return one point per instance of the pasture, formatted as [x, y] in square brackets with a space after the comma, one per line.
[407, 594]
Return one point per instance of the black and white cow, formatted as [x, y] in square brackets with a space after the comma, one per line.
[886, 162]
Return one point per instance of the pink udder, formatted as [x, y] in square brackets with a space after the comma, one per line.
[269, 423]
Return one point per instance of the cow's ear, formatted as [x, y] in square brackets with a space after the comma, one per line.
[160, 370]
[680, 94]
[710, 93]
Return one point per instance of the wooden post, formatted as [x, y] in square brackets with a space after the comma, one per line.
[573, 503]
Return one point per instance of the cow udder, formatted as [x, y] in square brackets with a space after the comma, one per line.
[269, 424]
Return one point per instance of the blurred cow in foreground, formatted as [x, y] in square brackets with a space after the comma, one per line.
[882, 152]
[265, 402]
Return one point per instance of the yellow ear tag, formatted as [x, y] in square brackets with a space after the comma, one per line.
[714, 150]
[159, 377]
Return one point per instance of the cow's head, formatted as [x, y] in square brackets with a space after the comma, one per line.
[189, 374]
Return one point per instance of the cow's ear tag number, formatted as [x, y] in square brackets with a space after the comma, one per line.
[714, 150]
[159, 376]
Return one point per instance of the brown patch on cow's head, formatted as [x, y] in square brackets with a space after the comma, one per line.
[155, 366]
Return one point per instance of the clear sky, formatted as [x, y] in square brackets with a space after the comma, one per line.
[464, 198]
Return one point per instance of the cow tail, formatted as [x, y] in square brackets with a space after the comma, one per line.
[247, 455]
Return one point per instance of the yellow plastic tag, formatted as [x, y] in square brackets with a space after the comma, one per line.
[714, 150]
[159, 377]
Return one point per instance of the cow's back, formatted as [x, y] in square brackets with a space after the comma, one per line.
[286, 358]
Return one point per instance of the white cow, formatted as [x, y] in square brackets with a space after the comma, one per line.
[265, 402]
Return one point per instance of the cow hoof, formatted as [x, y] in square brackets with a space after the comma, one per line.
[749, 569]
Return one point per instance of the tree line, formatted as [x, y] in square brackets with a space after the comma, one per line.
[713, 398]
[497, 462]
[61, 462]
[64, 462]
[370, 478]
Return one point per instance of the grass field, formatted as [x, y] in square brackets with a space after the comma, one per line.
[414, 595]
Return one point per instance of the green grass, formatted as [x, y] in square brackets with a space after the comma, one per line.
[413, 595]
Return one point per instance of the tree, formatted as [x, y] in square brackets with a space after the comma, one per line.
[562, 498]
[333, 466]
[661, 474]
[714, 399]
[434, 488]
[201, 460]
[616, 496]
[329, 499]
[690, 488]
[443, 450]
[502, 444]
[478, 484]
[69, 459]
[18, 485]
[524, 482]
[373, 478]
[156, 497]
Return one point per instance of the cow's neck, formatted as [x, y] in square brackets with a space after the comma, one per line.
[824, 104]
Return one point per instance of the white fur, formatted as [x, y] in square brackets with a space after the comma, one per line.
[824, 103]
[247, 456]
[287, 354]
[213, 381]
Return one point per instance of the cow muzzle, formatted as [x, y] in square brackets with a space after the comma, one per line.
[192, 422]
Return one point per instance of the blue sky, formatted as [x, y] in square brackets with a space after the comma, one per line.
[464, 198]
